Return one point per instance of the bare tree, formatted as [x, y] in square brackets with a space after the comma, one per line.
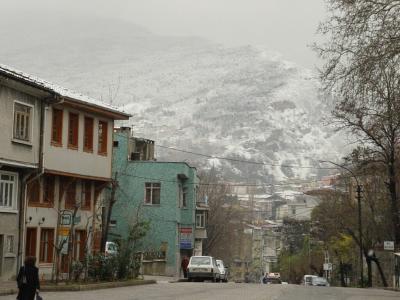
[362, 70]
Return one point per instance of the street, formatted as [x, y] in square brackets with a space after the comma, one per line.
[229, 291]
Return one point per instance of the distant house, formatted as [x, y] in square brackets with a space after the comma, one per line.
[163, 193]
[66, 139]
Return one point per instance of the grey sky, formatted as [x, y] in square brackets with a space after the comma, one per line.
[286, 26]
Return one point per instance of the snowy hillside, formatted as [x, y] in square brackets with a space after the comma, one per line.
[244, 103]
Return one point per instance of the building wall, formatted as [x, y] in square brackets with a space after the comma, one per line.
[167, 218]
[40, 217]
[12, 149]
[63, 159]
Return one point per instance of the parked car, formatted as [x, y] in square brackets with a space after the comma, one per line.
[203, 268]
[272, 278]
[222, 270]
[111, 249]
[307, 280]
[320, 281]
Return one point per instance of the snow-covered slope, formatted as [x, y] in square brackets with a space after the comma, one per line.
[244, 103]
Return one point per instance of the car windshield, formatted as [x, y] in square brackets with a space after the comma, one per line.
[111, 247]
[200, 261]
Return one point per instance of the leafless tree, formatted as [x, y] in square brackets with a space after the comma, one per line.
[362, 70]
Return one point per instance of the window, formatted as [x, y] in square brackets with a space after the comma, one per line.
[200, 219]
[182, 196]
[46, 245]
[56, 129]
[103, 131]
[152, 193]
[8, 188]
[86, 196]
[40, 192]
[73, 131]
[70, 195]
[22, 122]
[10, 244]
[80, 245]
[30, 246]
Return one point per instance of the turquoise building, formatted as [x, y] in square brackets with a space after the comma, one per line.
[163, 193]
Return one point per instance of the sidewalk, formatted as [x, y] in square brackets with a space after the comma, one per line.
[10, 287]
[163, 279]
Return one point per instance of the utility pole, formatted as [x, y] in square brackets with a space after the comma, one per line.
[359, 216]
[360, 233]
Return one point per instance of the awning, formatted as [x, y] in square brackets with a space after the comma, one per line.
[397, 253]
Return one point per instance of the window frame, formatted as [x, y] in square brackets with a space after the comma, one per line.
[152, 186]
[13, 207]
[102, 148]
[91, 144]
[58, 142]
[31, 123]
[201, 217]
[73, 132]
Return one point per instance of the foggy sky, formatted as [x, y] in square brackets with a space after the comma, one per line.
[285, 26]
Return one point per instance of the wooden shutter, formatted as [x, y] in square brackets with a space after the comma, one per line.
[49, 186]
[103, 136]
[56, 131]
[33, 191]
[88, 135]
[30, 247]
[70, 196]
[73, 131]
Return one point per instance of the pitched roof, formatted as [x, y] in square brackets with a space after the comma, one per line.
[60, 91]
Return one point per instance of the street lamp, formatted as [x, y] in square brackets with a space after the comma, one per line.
[359, 214]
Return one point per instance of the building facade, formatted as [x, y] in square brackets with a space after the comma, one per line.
[163, 193]
[61, 211]
[20, 109]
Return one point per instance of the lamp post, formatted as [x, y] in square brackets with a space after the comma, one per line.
[359, 215]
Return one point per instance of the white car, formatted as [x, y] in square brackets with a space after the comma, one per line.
[203, 268]
[222, 270]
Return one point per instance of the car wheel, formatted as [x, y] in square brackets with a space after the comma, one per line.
[214, 279]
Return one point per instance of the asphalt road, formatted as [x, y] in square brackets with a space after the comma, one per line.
[228, 291]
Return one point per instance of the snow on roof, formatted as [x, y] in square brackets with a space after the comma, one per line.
[58, 90]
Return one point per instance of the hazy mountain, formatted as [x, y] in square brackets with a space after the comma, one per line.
[244, 103]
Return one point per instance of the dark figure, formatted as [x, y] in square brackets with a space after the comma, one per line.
[184, 265]
[28, 280]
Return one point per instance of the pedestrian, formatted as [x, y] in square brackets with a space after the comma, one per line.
[28, 280]
[184, 265]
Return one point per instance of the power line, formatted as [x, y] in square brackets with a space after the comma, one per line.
[240, 160]
[246, 161]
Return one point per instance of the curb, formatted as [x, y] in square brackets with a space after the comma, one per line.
[178, 280]
[82, 287]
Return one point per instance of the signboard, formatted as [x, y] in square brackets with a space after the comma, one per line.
[388, 245]
[186, 238]
[328, 267]
[64, 231]
[65, 219]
